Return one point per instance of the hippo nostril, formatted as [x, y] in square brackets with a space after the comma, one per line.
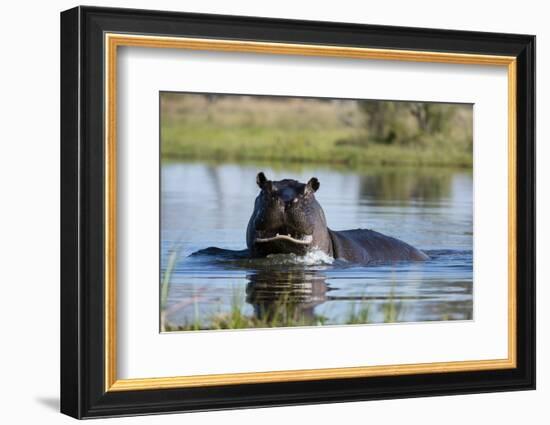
[289, 204]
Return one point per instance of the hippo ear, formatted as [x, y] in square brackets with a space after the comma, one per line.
[261, 180]
[312, 185]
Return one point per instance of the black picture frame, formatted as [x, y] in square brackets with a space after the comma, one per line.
[83, 392]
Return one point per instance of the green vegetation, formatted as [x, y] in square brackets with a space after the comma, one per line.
[165, 284]
[283, 314]
[359, 314]
[392, 310]
[297, 130]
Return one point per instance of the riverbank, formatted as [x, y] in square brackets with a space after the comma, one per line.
[248, 128]
[319, 147]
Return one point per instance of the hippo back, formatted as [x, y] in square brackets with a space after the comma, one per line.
[367, 247]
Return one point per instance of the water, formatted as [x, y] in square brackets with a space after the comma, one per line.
[205, 205]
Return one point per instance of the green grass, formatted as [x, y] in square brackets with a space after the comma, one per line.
[283, 314]
[359, 313]
[280, 314]
[392, 310]
[165, 284]
[300, 146]
[239, 128]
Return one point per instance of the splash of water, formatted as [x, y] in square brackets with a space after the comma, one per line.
[312, 258]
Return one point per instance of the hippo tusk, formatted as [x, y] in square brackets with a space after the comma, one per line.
[306, 240]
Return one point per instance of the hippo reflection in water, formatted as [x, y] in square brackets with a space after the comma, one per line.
[286, 297]
[288, 219]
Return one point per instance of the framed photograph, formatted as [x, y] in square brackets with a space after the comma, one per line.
[261, 212]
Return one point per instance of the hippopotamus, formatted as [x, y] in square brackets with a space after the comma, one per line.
[288, 219]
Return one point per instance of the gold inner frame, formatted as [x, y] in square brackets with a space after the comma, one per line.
[113, 41]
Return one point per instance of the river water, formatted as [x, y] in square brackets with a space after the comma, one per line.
[208, 205]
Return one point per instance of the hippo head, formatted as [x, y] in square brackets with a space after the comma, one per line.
[287, 219]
